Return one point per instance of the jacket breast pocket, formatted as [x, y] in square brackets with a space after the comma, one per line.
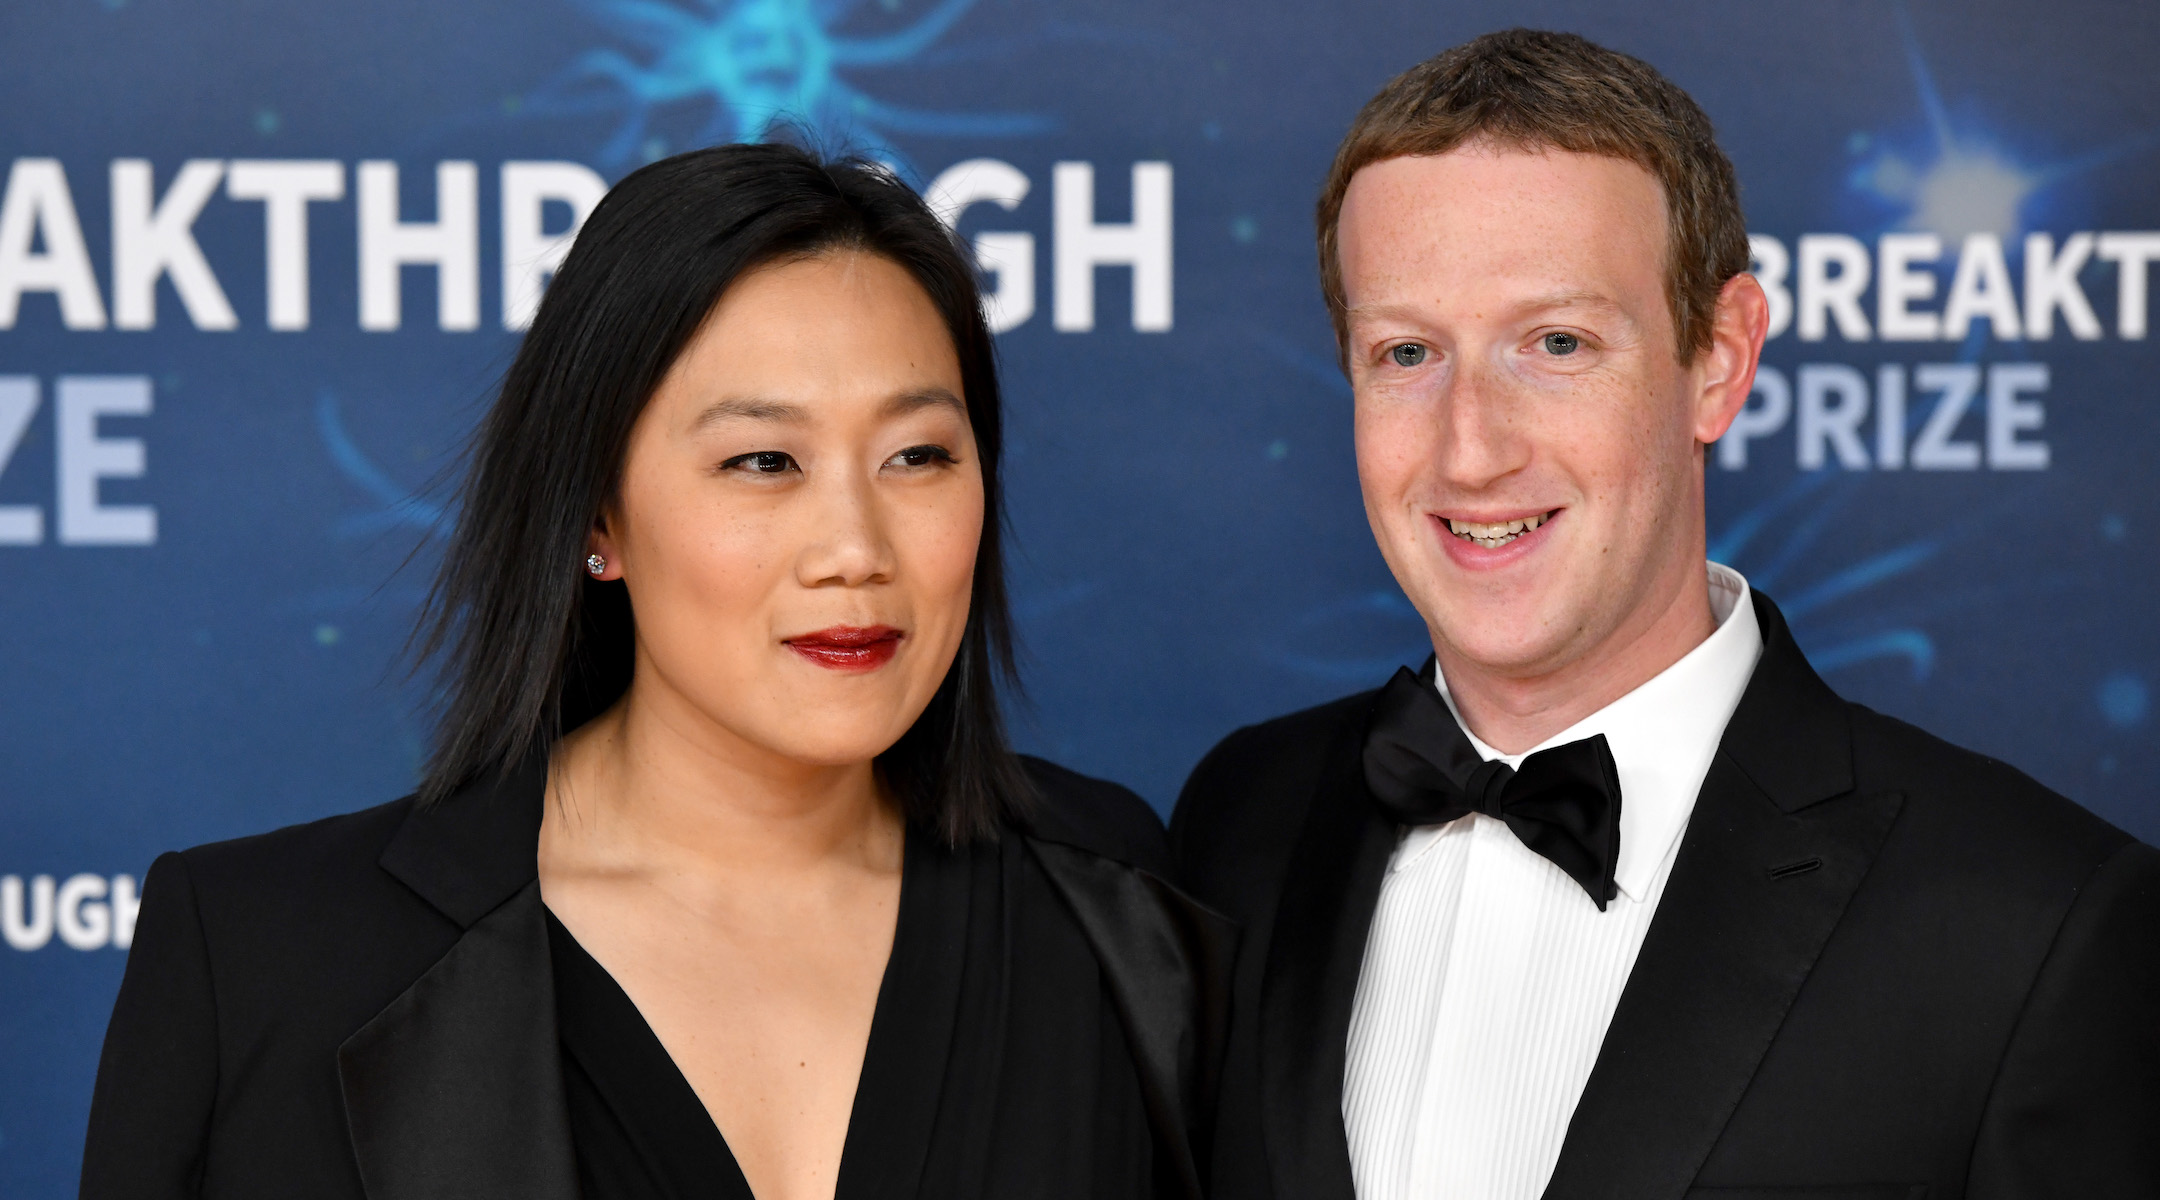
[1832, 1191]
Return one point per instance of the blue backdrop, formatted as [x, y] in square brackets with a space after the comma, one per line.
[257, 262]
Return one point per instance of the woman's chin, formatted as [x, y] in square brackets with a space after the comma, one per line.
[833, 740]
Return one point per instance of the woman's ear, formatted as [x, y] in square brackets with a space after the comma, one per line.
[602, 561]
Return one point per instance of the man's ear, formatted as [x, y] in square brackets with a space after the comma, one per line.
[1725, 371]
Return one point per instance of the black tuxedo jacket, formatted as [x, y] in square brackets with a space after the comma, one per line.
[1882, 967]
[364, 1006]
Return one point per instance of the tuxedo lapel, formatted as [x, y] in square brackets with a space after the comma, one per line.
[1310, 982]
[1774, 850]
[454, 1091]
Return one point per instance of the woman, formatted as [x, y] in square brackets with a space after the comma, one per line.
[722, 880]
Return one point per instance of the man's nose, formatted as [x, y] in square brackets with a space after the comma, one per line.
[1481, 436]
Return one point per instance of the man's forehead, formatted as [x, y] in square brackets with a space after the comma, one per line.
[1547, 229]
[1480, 183]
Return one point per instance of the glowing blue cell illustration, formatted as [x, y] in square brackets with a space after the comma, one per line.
[1960, 178]
[1774, 545]
[393, 505]
[755, 66]
[2124, 700]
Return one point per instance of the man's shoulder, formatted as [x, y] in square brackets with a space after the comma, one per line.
[1243, 806]
[1979, 810]
[1286, 754]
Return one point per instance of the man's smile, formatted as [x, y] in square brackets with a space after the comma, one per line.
[1494, 534]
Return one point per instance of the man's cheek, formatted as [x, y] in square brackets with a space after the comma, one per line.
[1391, 447]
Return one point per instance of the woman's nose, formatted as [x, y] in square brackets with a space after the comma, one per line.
[845, 542]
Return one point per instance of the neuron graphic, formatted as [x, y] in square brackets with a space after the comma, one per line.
[394, 506]
[755, 65]
[1745, 545]
[1958, 180]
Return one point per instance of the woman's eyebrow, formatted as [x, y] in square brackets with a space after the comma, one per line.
[749, 408]
[756, 408]
[903, 403]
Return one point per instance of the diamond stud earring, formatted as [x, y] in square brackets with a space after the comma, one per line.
[595, 564]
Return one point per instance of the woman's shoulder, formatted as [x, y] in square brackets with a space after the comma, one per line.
[1095, 815]
[306, 857]
[299, 895]
[303, 929]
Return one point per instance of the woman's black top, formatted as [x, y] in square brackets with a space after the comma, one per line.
[374, 1007]
[996, 1064]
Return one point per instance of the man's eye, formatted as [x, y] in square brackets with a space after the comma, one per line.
[763, 462]
[1561, 343]
[1409, 354]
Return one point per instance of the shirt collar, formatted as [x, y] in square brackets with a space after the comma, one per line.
[1665, 732]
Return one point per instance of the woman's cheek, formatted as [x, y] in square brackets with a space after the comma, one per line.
[947, 537]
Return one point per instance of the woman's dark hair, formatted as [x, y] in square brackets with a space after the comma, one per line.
[530, 646]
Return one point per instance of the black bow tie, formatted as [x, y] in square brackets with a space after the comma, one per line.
[1564, 803]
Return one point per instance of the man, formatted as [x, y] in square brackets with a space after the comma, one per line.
[1617, 898]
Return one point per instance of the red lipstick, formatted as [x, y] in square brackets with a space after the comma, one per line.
[851, 648]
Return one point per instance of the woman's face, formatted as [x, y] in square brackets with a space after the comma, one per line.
[799, 513]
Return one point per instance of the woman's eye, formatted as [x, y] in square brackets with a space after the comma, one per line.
[1409, 354]
[1561, 343]
[762, 462]
[922, 456]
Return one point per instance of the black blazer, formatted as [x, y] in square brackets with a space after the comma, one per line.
[1882, 967]
[364, 1006]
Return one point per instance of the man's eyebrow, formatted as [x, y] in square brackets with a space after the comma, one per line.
[749, 408]
[1575, 299]
[1544, 303]
[1403, 312]
[915, 399]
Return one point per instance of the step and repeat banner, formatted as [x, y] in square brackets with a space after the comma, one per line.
[261, 264]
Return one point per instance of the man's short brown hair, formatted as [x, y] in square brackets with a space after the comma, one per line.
[1534, 90]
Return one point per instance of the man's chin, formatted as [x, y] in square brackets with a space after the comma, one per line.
[1503, 641]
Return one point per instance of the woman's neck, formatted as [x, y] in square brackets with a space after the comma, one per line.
[654, 784]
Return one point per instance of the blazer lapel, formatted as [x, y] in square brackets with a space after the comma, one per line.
[1777, 845]
[1166, 961]
[1310, 980]
[454, 1091]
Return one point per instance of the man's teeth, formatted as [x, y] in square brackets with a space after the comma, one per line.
[1496, 534]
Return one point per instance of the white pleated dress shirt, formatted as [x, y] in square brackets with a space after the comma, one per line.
[1490, 976]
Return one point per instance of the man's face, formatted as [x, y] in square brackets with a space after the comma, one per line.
[1527, 437]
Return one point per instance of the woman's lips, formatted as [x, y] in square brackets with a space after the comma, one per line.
[848, 647]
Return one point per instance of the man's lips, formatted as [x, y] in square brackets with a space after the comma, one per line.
[848, 647]
[1487, 541]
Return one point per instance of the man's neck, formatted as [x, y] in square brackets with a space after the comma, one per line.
[1512, 711]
